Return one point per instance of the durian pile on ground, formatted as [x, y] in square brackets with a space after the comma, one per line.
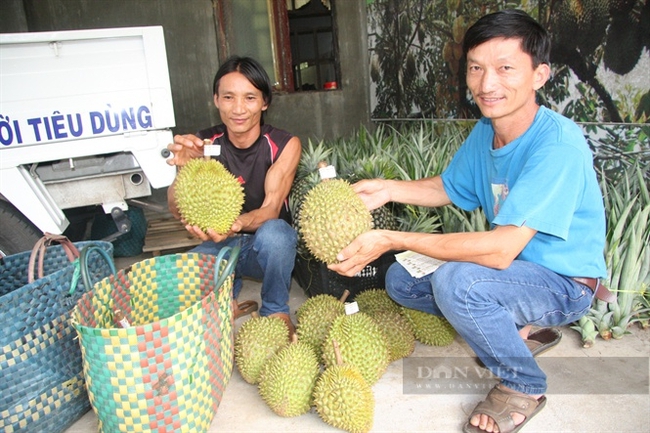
[411, 153]
[335, 358]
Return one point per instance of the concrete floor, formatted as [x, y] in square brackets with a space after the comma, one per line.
[592, 407]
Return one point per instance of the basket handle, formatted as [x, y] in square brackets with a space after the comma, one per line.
[83, 263]
[219, 278]
[41, 247]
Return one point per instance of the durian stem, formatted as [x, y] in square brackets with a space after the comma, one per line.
[337, 352]
[255, 314]
[208, 142]
[323, 164]
[345, 295]
[294, 338]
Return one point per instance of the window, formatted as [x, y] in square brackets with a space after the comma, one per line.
[313, 44]
[295, 40]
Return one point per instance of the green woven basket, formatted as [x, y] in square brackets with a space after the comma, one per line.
[41, 373]
[166, 372]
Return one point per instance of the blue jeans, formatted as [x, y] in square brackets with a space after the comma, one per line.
[487, 307]
[268, 255]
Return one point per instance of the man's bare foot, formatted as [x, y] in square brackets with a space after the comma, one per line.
[523, 332]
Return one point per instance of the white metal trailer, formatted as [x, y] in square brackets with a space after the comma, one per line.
[85, 119]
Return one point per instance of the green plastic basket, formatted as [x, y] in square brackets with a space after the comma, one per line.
[166, 372]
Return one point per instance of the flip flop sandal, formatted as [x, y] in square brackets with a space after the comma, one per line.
[500, 403]
[543, 340]
[244, 308]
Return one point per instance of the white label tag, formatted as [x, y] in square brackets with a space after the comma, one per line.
[328, 172]
[351, 308]
[211, 149]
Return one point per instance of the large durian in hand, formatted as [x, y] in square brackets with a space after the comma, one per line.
[258, 339]
[331, 216]
[287, 380]
[208, 195]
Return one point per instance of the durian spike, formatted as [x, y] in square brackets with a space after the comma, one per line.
[344, 296]
[337, 352]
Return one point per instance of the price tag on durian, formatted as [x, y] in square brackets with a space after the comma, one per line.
[328, 172]
[211, 149]
[351, 308]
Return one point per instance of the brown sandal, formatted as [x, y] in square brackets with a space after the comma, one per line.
[500, 403]
[542, 340]
[244, 308]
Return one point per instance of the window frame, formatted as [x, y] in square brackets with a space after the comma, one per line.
[280, 40]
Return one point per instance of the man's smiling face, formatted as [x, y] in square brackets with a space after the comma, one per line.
[502, 80]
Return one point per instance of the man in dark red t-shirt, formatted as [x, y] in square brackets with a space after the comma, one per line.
[264, 159]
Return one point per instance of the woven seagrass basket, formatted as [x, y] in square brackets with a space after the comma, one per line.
[41, 378]
[167, 371]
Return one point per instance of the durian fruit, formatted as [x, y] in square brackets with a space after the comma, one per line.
[458, 29]
[343, 398]
[257, 340]
[315, 317]
[307, 177]
[331, 216]
[299, 191]
[208, 195]
[580, 24]
[287, 380]
[371, 301]
[398, 332]
[624, 44]
[430, 329]
[362, 344]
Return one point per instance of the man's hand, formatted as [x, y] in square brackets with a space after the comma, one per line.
[364, 249]
[373, 192]
[185, 148]
[211, 235]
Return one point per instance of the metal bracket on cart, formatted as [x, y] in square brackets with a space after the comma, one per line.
[122, 222]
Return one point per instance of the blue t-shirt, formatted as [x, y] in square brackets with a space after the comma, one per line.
[544, 180]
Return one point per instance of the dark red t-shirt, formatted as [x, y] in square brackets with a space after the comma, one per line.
[251, 165]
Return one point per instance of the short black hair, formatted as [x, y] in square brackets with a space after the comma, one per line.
[511, 24]
[251, 69]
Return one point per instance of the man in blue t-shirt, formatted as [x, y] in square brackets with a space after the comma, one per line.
[264, 159]
[531, 172]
